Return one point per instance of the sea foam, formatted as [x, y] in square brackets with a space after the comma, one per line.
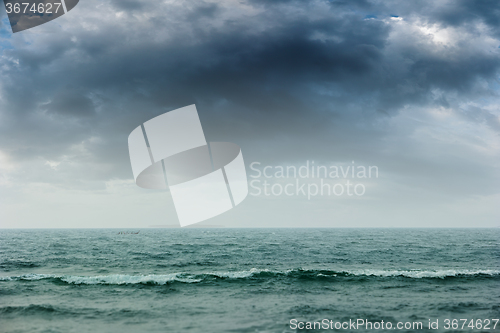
[183, 277]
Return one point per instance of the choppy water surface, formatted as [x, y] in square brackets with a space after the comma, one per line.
[243, 280]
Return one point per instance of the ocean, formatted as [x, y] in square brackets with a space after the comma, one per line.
[249, 280]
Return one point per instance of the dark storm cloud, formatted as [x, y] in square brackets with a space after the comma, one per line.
[469, 11]
[295, 72]
[71, 103]
[127, 4]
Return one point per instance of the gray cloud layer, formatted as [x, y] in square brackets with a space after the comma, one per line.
[286, 80]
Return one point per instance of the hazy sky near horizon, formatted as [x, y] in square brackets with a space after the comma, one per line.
[409, 87]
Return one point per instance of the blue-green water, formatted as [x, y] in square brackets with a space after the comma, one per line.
[244, 280]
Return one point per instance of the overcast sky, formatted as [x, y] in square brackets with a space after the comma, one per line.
[409, 86]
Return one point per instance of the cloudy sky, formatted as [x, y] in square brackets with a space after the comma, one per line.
[411, 87]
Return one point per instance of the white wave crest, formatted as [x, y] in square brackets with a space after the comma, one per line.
[129, 279]
[418, 274]
[161, 279]
[239, 274]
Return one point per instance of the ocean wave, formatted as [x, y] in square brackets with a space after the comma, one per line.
[30, 309]
[419, 274]
[182, 277]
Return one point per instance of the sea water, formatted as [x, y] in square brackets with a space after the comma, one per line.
[246, 280]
